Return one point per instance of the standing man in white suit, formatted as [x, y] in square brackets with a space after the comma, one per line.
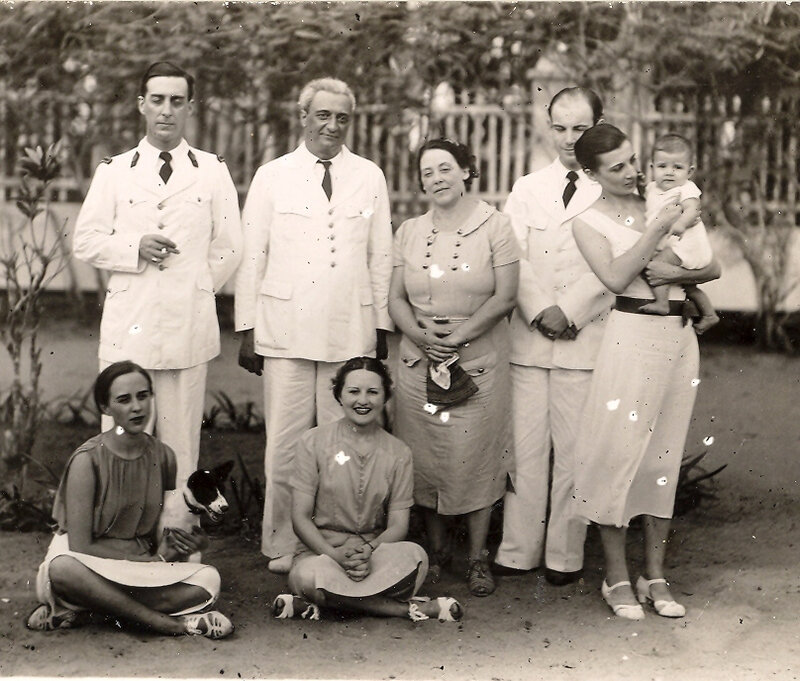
[164, 219]
[312, 290]
[555, 334]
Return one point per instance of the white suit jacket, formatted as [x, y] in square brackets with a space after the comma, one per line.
[553, 271]
[314, 280]
[161, 318]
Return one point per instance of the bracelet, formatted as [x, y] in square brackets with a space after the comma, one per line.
[161, 558]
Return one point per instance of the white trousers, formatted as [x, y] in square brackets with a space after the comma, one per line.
[298, 395]
[547, 405]
[176, 420]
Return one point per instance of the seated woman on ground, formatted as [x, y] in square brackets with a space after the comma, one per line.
[106, 556]
[351, 500]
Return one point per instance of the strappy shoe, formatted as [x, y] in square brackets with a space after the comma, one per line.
[624, 610]
[286, 606]
[44, 619]
[450, 609]
[479, 577]
[212, 624]
[663, 607]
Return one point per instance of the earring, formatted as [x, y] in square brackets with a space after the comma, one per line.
[119, 430]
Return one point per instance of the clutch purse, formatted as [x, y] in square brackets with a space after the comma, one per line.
[459, 388]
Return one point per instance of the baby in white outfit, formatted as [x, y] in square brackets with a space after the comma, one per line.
[687, 242]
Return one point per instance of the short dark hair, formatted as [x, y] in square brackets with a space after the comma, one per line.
[591, 97]
[597, 140]
[102, 384]
[168, 69]
[460, 152]
[368, 364]
[673, 143]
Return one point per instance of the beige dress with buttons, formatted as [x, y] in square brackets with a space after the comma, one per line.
[462, 455]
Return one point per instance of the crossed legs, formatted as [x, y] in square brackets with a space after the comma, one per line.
[149, 607]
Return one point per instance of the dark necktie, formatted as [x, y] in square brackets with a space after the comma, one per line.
[569, 190]
[327, 187]
[166, 169]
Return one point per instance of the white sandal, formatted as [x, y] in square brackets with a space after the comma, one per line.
[43, 619]
[212, 624]
[450, 609]
[624, 610]
[283, 607]
[663, 607]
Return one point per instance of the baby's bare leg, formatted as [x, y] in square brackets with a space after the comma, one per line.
[708, 315]
[661, 293]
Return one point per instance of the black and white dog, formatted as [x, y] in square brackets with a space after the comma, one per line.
[203, 492]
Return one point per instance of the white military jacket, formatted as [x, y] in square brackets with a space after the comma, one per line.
[314, 280]
[161, 317]
[553, 271]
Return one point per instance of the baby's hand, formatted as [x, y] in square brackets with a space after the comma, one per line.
[666, 217]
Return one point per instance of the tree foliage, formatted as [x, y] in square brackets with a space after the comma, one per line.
[84, 60]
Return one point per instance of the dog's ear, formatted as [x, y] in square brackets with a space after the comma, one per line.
[222, 471]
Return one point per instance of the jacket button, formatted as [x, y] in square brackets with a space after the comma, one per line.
[161, 266]
[333, 264]
[160, 226]
[333, 249]
[330, 225]
[330, 211]
[481, 370]
[160, 206]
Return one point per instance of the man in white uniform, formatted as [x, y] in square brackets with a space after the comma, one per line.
[163, 219]
[312, 290]
[555, 335]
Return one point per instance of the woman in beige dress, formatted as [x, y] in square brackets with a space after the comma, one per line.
[351, 501]
[633, 429]
[106, 555]
[453, 284]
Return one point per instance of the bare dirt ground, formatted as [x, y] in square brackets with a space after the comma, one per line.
[733, 563]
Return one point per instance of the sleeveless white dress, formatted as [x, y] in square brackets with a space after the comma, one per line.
[634, 425]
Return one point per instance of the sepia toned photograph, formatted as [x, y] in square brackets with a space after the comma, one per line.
[372, 339]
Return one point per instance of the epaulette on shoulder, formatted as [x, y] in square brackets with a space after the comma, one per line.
[220, 158]
[107, 159]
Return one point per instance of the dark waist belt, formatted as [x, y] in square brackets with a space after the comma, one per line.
[632, 305]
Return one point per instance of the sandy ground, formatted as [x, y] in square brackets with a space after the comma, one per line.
[733, 563]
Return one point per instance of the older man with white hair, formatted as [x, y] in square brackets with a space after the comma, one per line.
[312, 290]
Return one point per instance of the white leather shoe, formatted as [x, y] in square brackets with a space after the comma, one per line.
[281, 565]
[663, 607]
[623, 610]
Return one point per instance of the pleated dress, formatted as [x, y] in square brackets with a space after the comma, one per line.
[463, 455]
[634, 425]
